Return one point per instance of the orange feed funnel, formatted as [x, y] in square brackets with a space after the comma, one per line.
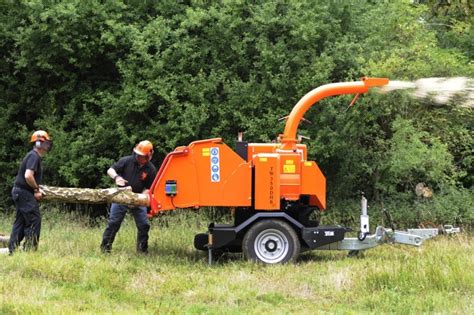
[205, 173]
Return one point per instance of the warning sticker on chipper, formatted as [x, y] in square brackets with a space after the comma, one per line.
[215, 165]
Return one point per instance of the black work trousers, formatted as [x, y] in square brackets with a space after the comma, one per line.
[116, 216]
[27, 223]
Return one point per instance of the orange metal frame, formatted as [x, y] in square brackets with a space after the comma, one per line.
[209, 173]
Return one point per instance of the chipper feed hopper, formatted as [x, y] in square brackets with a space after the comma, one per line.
[271, 187]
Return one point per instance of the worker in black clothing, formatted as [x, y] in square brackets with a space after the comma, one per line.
[26, 195]
[136, 171]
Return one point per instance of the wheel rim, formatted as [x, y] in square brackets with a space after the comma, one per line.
[271, 246]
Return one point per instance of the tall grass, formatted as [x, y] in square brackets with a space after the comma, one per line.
[68, 274]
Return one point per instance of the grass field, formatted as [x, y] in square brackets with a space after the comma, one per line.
[68, 274]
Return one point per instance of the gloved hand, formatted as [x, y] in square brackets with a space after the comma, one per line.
[120, 181]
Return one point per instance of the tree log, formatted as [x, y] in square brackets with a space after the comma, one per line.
[94, 196]
[4, 238]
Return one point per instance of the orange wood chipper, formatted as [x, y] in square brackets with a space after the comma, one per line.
[272, 187]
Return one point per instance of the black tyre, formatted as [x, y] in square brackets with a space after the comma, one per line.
[271, 242]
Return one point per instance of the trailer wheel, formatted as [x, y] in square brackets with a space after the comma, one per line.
[271, 242]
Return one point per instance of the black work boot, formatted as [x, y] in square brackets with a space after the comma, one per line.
[106, 248]
[142, 248]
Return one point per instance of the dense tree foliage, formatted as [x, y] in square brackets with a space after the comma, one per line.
[101, 75]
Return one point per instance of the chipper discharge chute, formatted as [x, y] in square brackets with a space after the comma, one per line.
[272, 187]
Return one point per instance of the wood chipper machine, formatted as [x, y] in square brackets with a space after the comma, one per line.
[272, 188]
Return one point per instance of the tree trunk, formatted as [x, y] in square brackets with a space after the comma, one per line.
[93, 196]
[4, 239]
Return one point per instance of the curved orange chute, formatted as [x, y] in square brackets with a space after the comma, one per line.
[289, 136]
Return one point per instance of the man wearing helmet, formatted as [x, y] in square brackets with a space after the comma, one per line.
[136, 171]
[26, 194]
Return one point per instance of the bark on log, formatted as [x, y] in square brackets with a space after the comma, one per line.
[94, 196]
[4, 239]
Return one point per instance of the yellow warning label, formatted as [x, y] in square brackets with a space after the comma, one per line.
[289, 162]
[206, 152]
[308, 163]
[263, 159]
[289, 169]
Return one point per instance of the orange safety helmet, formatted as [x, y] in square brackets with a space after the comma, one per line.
[144, 148]
[40, 135]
